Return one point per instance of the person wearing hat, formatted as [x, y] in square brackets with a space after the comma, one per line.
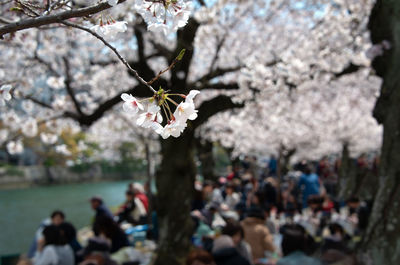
[256, 233]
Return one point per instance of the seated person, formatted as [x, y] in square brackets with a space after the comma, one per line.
[199, 257]
[295, 245]
[236, 232]
[53, 249]
[224, 252]
[56, 218]
[132, 211]
[110, 230]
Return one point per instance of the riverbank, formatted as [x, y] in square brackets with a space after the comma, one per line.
[19, 177]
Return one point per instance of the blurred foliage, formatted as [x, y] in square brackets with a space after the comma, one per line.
[10, 170]
[221, 158]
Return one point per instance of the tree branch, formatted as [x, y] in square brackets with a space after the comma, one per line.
[56, 18]
[349, 69]
[163, 51]
[215, 73]
[218, 86]
[37, 101]
[87, 120]
[217, 50]
[185, 40]
[133, 71]
[68, 87]
[214, 106]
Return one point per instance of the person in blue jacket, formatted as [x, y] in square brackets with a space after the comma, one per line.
[309, 183]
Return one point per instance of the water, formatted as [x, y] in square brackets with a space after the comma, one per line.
[22, 210]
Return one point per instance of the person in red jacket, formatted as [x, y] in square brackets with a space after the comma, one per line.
[139, 192]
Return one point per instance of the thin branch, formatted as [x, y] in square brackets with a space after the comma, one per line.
[68, 87]
[140, 43]
[213, 106]
[217, 50]
[161, 49]
[5, 20]
[47, 64]
[217, 72]
[27, 7]
[41, 60]
[349, 69]
[56, 18]
[218, 86]
[176, 60]
[133, 71]
[37, 101]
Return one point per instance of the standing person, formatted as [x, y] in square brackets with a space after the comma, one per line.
[309, 182]
[101, 210]
[272, 166]
[270, 192]
[57, 217]
[256, 233]
[53, 250]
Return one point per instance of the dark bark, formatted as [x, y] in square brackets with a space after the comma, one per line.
[356, 180]
[51, 19]
[347, 173]
[205, 155]
[381, 241]
[284, 161]
[175, 190]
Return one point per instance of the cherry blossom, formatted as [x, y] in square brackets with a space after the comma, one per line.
[29, 128]
[15, 147]
[174, 128]
[185, 111]
[55, 82]
[62, 149]
[48, 138]
[112, 2]
[110, 29]
[131, 104]
[152, 115]
[3, 135]
[5, 94]
[164, 16]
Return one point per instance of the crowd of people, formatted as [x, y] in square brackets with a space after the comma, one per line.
[267, 219]
[249, 216]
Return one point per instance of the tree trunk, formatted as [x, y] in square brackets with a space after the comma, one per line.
[347, 174]
[149, 180]
[174, 180]
[205, 154]
[381, 242]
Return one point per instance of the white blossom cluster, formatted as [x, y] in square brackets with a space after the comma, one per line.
[149, 115]
[165, 16]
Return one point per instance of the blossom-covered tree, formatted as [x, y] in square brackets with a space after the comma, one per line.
[76, 61]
